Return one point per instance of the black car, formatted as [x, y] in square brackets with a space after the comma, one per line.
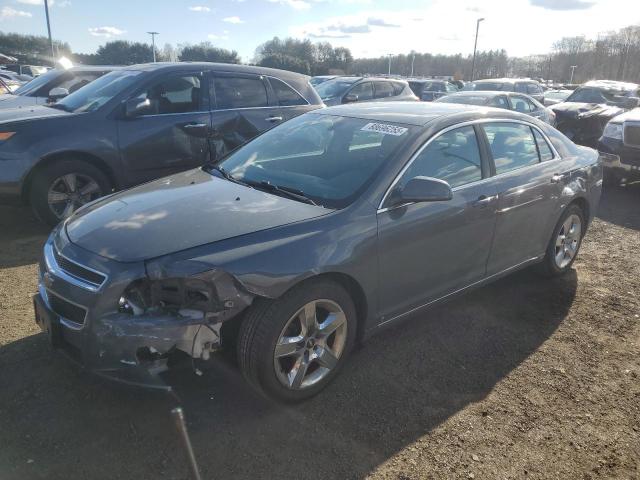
[364, 89]
[429, 90]
[53, 85]
[584, 114]
[620, 148]
[139, 123]
[519, 85]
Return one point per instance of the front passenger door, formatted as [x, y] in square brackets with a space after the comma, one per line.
[241, 109]
[427, 250]
[170, 135]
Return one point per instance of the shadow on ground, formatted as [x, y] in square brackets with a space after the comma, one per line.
[21, 236]
[58, 423]
[615, 205]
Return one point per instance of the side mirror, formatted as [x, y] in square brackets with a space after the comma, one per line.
[136, 106]
[350, 98]
[57, 93]
[424, 189]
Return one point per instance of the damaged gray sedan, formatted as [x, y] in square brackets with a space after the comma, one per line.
[311, 238]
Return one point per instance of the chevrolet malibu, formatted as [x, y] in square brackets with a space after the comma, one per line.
[310, 238]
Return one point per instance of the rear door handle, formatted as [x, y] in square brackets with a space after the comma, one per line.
[273, 119]
[195, 126]
[482, 201]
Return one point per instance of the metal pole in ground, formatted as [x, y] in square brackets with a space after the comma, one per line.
[153, 44]
[46, 12]
[181, 425]
[475, 47]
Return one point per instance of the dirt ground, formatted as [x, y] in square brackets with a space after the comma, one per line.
[525, 378]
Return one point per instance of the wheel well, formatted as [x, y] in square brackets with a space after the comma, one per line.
[357, 294]
[81, 156]
[584, 206]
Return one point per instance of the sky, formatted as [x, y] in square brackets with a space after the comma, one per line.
[370, 28]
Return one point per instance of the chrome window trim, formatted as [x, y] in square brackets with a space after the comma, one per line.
[55, 269]
[556, 156]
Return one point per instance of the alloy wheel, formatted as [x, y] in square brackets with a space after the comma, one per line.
[310, 345]
[568, 240]
[69, 192]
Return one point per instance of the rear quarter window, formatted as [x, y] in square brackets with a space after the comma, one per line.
[285, 94]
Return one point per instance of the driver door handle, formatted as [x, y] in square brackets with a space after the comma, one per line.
[482, 201]
[194, 126]
[273, 119]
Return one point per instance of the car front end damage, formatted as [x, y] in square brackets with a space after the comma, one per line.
[126, 321]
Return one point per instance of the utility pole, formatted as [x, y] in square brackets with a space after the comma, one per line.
[153, 44]
[413, 59]
[573, 68]
[475, 46]
[389, 55]
[46, 11]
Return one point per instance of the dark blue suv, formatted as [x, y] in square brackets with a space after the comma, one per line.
[136, 124]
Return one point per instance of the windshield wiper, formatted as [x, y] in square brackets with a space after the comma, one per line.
[58, 106]
[226, 175]
[289, 192]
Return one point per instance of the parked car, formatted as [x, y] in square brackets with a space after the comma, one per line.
[584, 114]
[7, 86]
[363, 89]
[53, 85]
[15, 77]
[517, 102]
[318, 79]
[312, 237]
[429, 90]
[31, 70]
[139, 123]
[620, 143]
[551, 97]
[519, 85]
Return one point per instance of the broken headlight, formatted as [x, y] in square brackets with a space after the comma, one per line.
[170, 295]
[613, 130]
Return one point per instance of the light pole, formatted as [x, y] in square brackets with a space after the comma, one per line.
[413, 59]
[46, 12]
[475, 46]
[153, 44]
[389, 55]
[573, 68]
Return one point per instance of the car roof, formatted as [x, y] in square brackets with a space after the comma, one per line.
[611, 85]
[227, 67]
[505, 80]
[486, 93]
[94, 68]
[411, 113]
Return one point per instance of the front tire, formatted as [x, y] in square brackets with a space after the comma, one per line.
[292, 347]
[565, 242]
[59, 189]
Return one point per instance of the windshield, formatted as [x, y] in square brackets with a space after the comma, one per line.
[97, 93]
[334, 88]
[330, 159]
[40, 81]
[464, 99]
[489, 86]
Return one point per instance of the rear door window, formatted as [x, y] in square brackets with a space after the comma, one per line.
[512, 145]
[521, 87]
[543, 147]
[520, 104]
[453, 156]
[398, 88]
[500, 102]
[383, 90]
[286, 95]
[363, 90]
[239, 92]
[533, 89]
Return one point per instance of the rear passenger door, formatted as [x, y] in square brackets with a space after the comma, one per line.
[528, 186]
[291, 103]
[242, 107]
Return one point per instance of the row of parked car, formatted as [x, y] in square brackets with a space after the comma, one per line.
[294, 247]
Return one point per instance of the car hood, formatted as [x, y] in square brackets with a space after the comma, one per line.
[629, 116]
[584, 110]
[18, 114]
[175, 213]
[13, 101]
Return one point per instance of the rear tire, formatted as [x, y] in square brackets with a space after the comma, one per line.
[58, 189]
[282, 359]
[564, 243]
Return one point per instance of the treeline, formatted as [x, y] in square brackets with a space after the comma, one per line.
[613, 55]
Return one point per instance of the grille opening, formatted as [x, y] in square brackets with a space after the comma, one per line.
[78, 271]
[67, 309]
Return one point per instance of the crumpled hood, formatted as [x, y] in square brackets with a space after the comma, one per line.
[35, 112]
[13, 101]
[629, 116]
[584, 110]
[178, 212]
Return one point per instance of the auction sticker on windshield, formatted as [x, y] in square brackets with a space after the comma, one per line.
[384, 128]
